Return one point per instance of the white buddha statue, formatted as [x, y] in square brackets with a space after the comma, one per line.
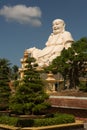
[57, 41]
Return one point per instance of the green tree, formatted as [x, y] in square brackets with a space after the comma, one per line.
[14, 72]
[4, 83]
[29, 97]
[71, 62]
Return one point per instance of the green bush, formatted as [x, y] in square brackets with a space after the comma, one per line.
[57, 119]
[9, 120]
[83, 86]
[65, 118]
[25, 122]
[54, 120]
[40, 108]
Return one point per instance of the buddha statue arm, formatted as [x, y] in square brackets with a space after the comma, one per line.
[68, 40]
[49, 40]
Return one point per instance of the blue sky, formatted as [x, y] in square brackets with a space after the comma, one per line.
[28, 23]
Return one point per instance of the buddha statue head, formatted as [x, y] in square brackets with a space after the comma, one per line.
[58, 26]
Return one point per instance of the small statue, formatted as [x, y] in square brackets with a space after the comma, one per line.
[57, 41]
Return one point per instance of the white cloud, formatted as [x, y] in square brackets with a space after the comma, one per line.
[22, 14]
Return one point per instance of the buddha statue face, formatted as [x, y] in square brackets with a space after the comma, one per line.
[58, 26]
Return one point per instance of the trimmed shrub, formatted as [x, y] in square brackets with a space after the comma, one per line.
[25, 122]
[54, 120]
[57, 119]
[9, 120]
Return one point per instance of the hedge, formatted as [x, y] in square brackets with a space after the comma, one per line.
[53, 120]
